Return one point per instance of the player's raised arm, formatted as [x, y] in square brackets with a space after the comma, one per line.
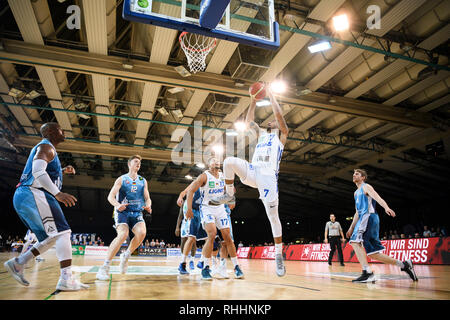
[113, 193]
[183, 194]
[250, 117]
[374, 195]
[282, 126]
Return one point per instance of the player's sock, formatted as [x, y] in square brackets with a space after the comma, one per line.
[202, 258]
[183, 258]
[24, 258]
[234, 261]
[127, 254]
[229, 189]
[278, 248]
[368, 269]
[107, 263]
[207, 262]
[66, 273]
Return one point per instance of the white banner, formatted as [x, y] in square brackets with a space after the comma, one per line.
[96, 251]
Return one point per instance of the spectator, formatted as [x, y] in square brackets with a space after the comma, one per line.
[152, 243]
[391, 235]
[426, 232]
[417, 235]
[9, 242]
[240, 245]
[402, 236]
[409, 230]
[433, 233]
[440, 232]
[156, 243]
[147, 243]
[396, 236]
[162, 244]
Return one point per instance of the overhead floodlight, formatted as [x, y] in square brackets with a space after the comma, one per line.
[32, 94]
[189, 177]
[16, 93]
[340, 22]
[263, 103]
[84, 116]
[278, 86]
[231, 133]
[240, 126]
[182, 71]
[319, 46]
[217, 148]
[175, 90]
[177, 113]
[201, 165]
[128, 65]
[163, 111]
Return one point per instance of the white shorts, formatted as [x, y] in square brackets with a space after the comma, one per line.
[267, 184]
[216, 215]
[184, 229]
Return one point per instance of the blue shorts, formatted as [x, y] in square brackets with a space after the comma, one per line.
[40, 212]
[195, 227]
[128, 217]
[367, 231]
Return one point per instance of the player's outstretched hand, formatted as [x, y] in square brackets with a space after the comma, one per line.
[189, 214]
[147, 208]
[390, 212]
[68, 199]
[122, 207]
[349, 233]
[177, 232]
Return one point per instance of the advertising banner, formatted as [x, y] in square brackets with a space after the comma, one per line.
[77, 250]
[152, 252]
[95, 251]
[419, 250]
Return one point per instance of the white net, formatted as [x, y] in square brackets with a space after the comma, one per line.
[196, 47]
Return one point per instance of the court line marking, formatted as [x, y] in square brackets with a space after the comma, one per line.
[109, 288]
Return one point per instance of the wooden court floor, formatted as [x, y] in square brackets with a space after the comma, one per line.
[156, 278]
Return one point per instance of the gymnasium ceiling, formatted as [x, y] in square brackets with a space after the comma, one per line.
[373, 108]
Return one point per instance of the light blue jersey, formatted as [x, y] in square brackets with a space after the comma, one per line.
[53, 169]
[132, 192]
[363, 202]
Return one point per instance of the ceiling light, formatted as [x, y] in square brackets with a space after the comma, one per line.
[124, 112]
[240, 126]
[127, 65]
[80, 105]
[217, 148]
[16, 93]
[319, 46]
[32, 94]
[189, 177]
[177, 113]
[201, 165]
[122, 140]
[278, 86]
[331, 100]
[175, 90]
[263, 103]
[163, 111]
[389, 58]
[84, 116]
[231, 133]
[340, 22]
[239, 83]
[182, 71]
[302, 91]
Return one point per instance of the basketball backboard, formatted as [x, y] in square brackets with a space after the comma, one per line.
[251, 22]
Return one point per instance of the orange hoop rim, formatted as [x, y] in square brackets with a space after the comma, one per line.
[180, 38]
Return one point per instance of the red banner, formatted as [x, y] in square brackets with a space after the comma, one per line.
[420, 251]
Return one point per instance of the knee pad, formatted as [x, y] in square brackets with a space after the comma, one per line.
[272, 214]
[63, 247]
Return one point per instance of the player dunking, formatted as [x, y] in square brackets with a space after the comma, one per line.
[130, 197]
[36, 202]
[211, 184]
[262, 173]
[364, 230]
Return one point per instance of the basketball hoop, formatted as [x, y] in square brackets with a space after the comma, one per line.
[196, 47]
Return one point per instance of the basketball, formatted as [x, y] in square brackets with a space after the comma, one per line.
[258, 90]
